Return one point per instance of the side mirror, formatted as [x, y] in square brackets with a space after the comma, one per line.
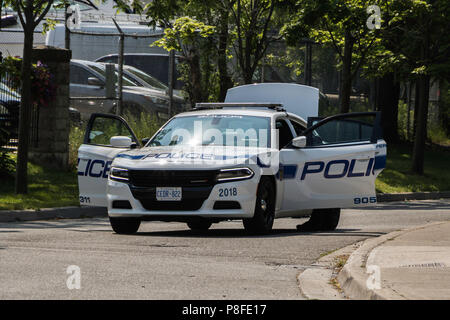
[93, 81]
[299, 142]
[120, 141]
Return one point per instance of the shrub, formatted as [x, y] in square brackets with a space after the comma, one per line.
[145, 125]
[76, 136]
[7, 164]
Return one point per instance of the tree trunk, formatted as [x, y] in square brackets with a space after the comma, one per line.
[196, 79]
[224, 79]
[422, 111]
[387, 100]
[248, 74]
[346, 78]
[444, 107]
[421, 127]
[416, 106]
[25, 109]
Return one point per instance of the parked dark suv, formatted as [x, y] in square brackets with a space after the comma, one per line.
[155, 64]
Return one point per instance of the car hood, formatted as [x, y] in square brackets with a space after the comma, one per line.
[151, 92]
[185, 157]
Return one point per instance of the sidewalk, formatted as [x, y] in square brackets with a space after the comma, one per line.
[52, 213]
[409, 264]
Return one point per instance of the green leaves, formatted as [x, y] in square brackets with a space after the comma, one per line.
[185, 31]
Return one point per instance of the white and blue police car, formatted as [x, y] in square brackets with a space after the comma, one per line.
[253, 157]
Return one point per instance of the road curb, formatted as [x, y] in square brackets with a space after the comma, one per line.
[53, 213]
[390, 197]
[353, 276]
[315, 282]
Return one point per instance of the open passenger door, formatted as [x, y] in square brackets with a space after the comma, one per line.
[338, 164]
[106, 136]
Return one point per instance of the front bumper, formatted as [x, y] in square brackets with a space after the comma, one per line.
[245, 195]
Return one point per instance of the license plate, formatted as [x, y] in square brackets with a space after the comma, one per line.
[168, 194]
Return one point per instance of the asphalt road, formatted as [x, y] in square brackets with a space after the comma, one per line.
[167, 261]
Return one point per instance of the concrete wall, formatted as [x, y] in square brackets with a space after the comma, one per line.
[52, 148]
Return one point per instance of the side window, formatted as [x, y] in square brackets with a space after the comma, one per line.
[343, 130]
[101, 129]
[299, 128]
[79, 75]
[109, 60]
[284, 132]
[143, 63]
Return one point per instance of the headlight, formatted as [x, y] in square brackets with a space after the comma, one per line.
[234, 174]
[119, 174]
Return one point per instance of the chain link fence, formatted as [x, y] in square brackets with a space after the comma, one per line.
[293, 64]
[11, 41]
[11, 44]
[9, 115]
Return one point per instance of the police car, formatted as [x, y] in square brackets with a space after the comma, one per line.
[253, 157]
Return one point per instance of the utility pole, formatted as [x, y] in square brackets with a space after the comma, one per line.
[308, 62]
[67, 14]
[171, 82]
[120, 73]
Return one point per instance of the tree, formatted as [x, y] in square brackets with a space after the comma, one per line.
[209, 78]
[386, 69]
[340, 24]
[246, 25]
[418, 33]
[186, 36]
[31, 13]
[252, 21]
[214, 13]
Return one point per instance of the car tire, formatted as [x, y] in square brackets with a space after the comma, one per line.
[264, 215]
[322, 220]
[125, 225]
[199, 225]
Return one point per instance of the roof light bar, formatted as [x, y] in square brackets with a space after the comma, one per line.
[221, 105]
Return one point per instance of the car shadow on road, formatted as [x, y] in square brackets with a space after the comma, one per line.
[241, 233]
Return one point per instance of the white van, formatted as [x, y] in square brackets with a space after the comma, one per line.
[89, 47]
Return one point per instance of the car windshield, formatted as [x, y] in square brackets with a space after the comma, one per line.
[155, 83]
[101, 70]
[215, 130]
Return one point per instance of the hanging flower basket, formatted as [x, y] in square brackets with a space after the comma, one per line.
[43, 87]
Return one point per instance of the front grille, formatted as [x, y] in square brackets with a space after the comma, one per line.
[172, 178]
[196, 186]
[192, 198]
[183, 205]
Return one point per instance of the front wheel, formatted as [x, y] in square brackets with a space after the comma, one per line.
[125, 225]
[262, 220]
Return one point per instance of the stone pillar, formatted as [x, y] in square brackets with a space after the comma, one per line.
[52, 148]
